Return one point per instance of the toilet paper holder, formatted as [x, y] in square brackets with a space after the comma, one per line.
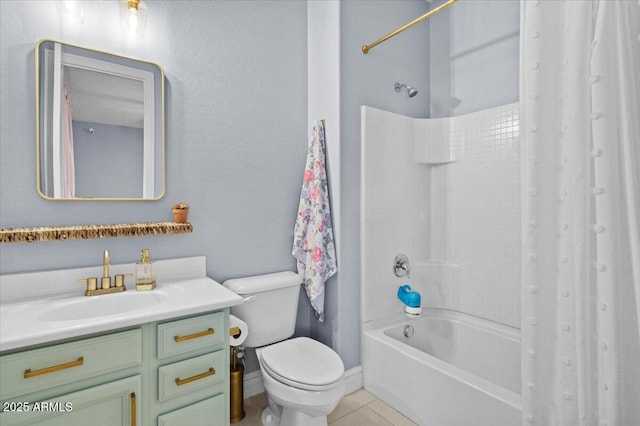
[234, 331]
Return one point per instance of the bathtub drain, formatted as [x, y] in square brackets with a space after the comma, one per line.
[408, 331]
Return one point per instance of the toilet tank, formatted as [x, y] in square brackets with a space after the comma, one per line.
[270, 306]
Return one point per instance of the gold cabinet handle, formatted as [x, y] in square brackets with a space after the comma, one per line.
[133, 409]
[181, 382]
[194, 336]
[28, 373]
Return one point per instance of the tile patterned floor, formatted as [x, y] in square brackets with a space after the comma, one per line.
[356, 409]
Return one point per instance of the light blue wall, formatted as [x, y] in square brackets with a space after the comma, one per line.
[474, 47]
[367, 80]
[472, 53]
[236, 74]
[96, 178]
[236, 132]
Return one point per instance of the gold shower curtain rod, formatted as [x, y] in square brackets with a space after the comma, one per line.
[367, 47]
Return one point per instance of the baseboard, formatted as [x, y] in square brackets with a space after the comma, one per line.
[353, 379]
[253, 382]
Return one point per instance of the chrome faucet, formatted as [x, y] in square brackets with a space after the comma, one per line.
[105, 281]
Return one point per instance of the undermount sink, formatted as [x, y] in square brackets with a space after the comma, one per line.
[101, 306]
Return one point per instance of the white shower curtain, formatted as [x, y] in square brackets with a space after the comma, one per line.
[579, 96]
[68, 158]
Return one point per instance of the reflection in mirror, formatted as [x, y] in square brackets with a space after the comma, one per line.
[100, 125]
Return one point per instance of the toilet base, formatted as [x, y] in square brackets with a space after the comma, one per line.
[290, 418]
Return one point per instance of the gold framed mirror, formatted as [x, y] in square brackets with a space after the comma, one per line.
[100, 125]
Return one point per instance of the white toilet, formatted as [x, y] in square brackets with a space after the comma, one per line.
[304, 379]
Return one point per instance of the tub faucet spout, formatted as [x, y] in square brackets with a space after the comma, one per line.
[411, 300]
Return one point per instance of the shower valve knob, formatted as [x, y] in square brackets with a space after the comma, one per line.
[401, 266]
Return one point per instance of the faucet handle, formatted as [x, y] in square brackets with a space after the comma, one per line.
[120, 279]
[401, 266]
[105, 282]
[91, 282]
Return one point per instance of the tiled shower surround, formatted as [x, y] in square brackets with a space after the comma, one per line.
[445, 192]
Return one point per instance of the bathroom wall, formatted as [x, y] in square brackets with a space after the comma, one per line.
[236, 75]
[483, 35]
[90, 150]
[475, 66]
[474, 49]
[448, 196]
[395, 209]
[362, 80]
[473, 261]
[237, 129]
[473, 212]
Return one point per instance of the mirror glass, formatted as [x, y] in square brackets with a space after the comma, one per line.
[100, 122]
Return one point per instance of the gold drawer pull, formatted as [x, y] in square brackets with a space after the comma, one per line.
[133, 409]
[181, 382]
[194, 336]
[28, 373]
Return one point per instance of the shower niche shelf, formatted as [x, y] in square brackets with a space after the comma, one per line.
[436, 141]
[88, 232]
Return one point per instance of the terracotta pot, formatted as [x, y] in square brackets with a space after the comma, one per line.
[180, 215]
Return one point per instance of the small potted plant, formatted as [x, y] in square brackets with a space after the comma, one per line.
[180, 212]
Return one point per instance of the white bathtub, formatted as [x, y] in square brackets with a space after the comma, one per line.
[456, 369]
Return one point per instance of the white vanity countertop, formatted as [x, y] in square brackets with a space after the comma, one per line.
[50, 317]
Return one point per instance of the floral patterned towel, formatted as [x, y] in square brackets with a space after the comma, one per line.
[313, 245]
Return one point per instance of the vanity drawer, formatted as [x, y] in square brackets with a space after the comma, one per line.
[182, 336]
[39, 369]
[212, 409]
[181, 378]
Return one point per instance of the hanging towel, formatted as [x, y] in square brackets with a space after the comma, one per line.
[313, 245]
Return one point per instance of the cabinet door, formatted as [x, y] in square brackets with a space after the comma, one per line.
[112, 404]
[210, 412]
[38, 369]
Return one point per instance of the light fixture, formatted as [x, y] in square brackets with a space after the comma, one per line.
[133, 18]
[71, 11]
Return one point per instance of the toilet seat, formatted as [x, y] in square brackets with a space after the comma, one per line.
[303, 363]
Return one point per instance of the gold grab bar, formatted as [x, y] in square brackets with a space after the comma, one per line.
[28, 373]
[367, 47]
[194, 336]
[133, 409]
[181, 382]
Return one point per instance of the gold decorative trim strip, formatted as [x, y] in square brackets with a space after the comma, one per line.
[87, 232]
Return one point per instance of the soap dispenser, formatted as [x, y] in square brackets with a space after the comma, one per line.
[145, 278]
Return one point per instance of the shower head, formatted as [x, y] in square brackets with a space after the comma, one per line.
[410, 90]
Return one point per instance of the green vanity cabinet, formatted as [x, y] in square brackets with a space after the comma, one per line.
[193, 415]
[112, 404]
[174, 372]
[190, 375]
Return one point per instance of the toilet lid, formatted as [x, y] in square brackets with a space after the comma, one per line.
[304, 362]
